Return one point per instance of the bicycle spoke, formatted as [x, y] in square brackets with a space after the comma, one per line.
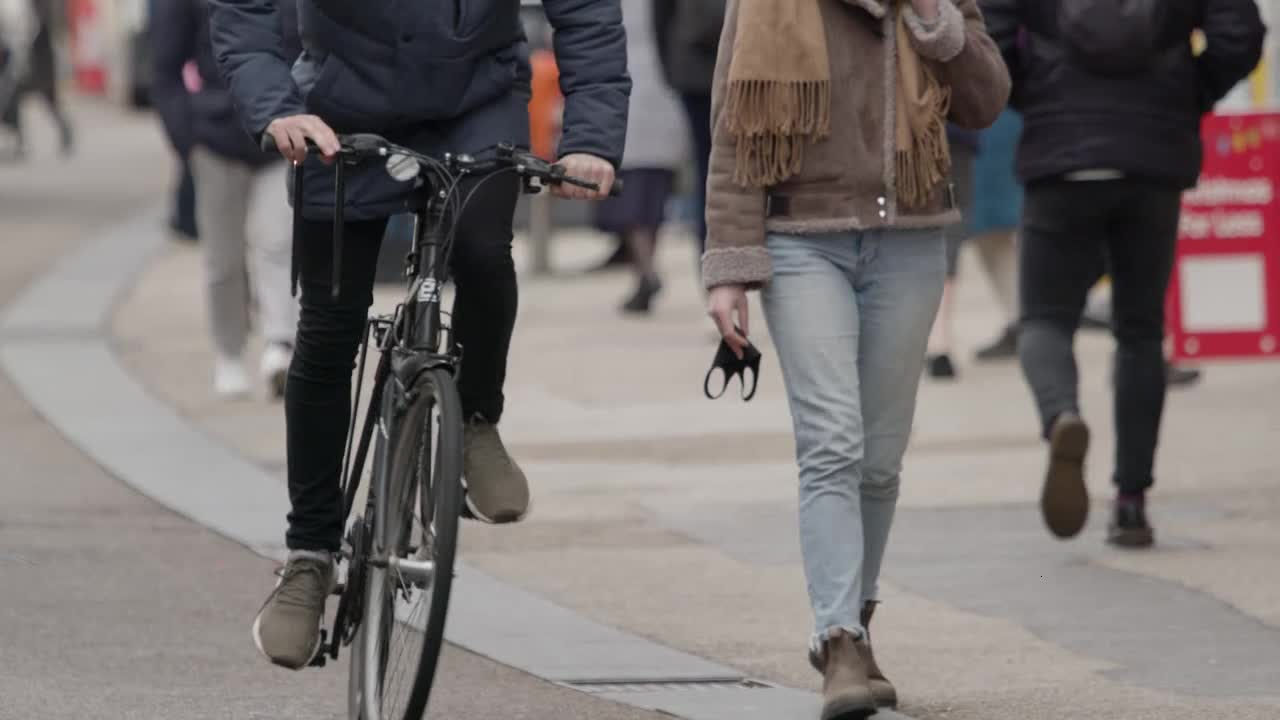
[421, 536]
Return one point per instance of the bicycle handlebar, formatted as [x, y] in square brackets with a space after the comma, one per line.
[368, 145]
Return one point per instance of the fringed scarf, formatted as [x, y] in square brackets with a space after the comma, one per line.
[779, 99]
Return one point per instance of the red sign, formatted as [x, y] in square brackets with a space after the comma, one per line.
[1224, 298]
[88, 45]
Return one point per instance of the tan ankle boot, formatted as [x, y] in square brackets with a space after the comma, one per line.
[881, 688]
[846, 689]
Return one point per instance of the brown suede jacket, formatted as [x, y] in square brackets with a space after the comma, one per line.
[847, 181]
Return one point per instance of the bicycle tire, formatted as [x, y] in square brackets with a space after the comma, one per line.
[427, 509]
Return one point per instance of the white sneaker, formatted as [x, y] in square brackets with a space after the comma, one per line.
[275, 367]
[230, 379]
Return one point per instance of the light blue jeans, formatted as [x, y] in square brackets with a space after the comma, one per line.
[850, 314]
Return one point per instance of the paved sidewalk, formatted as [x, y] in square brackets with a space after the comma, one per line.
[111, 606]
[672, 517]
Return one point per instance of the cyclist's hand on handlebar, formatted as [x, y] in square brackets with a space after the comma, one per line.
[589, 168]
[291, 134]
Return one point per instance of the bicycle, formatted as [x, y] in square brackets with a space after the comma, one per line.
[399, 551]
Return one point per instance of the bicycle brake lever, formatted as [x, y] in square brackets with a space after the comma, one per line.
[364, 144]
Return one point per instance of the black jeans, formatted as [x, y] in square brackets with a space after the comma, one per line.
[1073, 233]
[318, 393]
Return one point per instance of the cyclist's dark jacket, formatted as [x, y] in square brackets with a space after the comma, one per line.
[437, 75]
[179, 32]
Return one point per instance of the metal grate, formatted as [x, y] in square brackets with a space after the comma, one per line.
[612, 687]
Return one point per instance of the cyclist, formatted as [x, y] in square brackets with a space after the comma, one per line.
[437, 77]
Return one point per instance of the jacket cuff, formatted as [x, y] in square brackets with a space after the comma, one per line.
[749, 266]
[940, 39]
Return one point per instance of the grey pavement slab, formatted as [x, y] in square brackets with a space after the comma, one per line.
[520, 629]
[77, 295]
[112, 607]
[732, 703]
[606, 415]
[1153, 633]
[78, 386]
[611, 456]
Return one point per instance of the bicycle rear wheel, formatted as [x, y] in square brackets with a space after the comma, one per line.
[407, 600]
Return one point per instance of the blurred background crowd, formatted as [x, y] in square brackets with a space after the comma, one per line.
[130, 51]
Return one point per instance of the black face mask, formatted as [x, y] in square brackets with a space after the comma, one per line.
[730, 364]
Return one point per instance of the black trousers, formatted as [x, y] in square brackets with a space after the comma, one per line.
[1073, 233]
[698, 110]
[318, 393]
[42, 79]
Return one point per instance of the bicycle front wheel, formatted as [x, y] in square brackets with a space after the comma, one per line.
[417, 525]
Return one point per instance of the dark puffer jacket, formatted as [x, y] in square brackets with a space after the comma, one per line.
[688, 34]
[433, 74]
[179, 34]
[1144, 122]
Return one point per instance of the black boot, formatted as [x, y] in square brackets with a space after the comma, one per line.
[1003, 348]
[1129, 527]
[1181, 376]
[641, 300]
[940, 367]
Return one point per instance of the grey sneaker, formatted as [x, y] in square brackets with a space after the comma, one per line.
[497, 491]
[287, 629]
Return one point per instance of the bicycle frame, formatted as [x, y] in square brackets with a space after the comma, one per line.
[412, 341]
[409, 342]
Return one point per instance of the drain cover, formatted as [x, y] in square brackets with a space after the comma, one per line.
[610, 687]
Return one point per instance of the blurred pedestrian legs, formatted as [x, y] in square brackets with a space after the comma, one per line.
[688, 38]
[964, 147]
[40, 75]
[240, 196]
[653, 152]
[182, 216]
[993, 226]
[238, 206]
[990, 200]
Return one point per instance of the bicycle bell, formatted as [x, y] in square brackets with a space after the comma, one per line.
[402, 168]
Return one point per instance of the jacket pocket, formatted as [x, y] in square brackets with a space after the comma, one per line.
[480, 18]
[351, 100]
[436, 88]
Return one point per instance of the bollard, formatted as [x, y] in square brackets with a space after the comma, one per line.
[540, 225]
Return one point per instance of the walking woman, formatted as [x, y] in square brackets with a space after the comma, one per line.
[828, 191]
[655, 149]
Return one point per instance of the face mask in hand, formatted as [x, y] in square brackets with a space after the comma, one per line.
[730, 364]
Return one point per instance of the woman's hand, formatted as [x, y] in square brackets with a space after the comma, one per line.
[724, 303]
[926, 9]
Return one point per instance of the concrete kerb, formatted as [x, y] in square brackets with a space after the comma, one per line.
[54, 345]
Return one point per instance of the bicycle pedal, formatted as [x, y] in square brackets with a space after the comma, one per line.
[339, 588]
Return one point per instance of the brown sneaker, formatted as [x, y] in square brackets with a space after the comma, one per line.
[497, 491]
[846, 689]
[287, 629]
[881, 689]
[1064, 502]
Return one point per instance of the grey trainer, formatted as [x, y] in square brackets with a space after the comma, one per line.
[497, 491]
[287, 629]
